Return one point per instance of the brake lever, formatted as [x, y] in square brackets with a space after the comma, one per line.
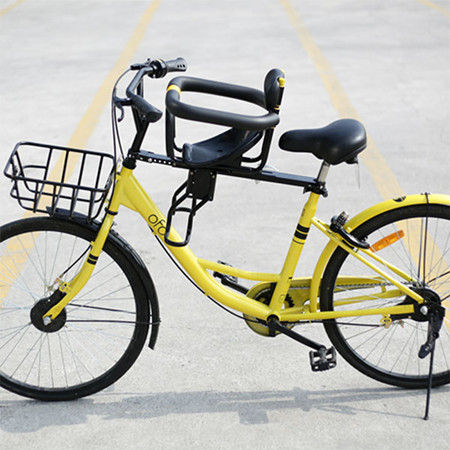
[139, 66]
[119, 103]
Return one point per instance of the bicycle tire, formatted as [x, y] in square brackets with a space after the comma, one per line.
[101, 332]
[389, 352]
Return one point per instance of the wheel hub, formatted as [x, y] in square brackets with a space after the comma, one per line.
[42, 307]
[420, 313]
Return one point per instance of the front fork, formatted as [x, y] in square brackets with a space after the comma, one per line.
[71, 288]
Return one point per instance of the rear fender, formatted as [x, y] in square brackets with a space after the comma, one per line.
[354, 222]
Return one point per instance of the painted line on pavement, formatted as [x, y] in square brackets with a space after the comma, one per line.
[382, 175]
[441, 9]
[81, 137]
[6, 9]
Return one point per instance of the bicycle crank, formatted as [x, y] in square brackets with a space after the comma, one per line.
[321, 359]
[259, 326]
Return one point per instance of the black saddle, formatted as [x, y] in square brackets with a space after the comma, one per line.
[340, 141]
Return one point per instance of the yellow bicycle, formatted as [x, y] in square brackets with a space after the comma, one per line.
[77, 302]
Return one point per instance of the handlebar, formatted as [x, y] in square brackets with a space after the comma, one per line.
[185, 111]
[154, 69]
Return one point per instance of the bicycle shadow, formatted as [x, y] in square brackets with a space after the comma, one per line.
[252, 408]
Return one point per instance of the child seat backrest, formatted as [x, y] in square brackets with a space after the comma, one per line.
[273, 89]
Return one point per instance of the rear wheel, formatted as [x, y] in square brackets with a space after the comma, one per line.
[95, 339]
[415, 239]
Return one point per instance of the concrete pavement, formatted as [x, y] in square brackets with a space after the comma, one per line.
[211, 383]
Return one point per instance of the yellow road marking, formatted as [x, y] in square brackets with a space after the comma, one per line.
[12, 262]
[10, 7]
[439, 8]
[381, 173]
[91, 118]
[89, 121]
[86, 127]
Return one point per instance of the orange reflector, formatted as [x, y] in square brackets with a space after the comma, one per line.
[387, 241]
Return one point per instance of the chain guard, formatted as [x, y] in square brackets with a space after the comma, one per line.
[257, 325]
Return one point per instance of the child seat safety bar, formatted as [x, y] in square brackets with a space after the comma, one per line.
[200, 114]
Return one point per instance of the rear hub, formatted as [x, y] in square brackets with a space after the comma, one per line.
[420, 314]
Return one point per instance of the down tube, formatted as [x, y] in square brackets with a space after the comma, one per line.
[135, 198]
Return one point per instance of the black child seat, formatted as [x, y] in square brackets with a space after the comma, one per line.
[224, 152]
[226, 149]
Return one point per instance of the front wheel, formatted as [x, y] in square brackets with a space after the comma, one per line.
[94, 340]
[415, 239]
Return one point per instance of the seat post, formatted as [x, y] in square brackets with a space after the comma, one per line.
[323, 172]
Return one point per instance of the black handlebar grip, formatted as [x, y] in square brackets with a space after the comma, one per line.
[160, 68]
[176, 65]
[149, 112]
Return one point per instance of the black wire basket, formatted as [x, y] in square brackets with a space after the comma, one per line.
[49, 178]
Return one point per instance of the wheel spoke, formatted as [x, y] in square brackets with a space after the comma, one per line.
[389, 353]
[94, 340]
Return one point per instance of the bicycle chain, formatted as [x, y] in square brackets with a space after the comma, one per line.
[350, 285]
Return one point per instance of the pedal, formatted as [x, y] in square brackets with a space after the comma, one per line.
[322, 359]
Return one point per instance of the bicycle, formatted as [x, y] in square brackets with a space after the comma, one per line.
[78, 303]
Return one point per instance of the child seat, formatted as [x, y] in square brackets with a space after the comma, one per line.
[225, 150]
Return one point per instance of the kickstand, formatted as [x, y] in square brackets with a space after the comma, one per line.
[430, 382]
[436, 315]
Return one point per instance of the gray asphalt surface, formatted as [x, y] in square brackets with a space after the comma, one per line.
[212, 383]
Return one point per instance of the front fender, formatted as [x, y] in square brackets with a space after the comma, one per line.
[363, 216]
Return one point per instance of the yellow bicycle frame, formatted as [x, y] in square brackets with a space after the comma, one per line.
[129, 193]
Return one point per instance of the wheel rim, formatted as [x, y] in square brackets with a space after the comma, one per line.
[96, 334]
[387, 348]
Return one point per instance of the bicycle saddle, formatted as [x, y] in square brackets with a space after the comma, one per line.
[225, 149]
[340, 141]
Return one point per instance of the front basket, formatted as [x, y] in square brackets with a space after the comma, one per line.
[47, 178]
